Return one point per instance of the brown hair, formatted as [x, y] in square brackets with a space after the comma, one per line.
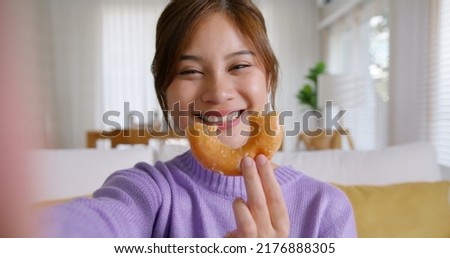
[176, 25]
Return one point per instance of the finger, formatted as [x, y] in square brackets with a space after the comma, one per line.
[231, 234]
[274, 197]
[246, 226]
[255, 194]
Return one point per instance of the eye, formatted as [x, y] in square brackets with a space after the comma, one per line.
[239, 66]
[189, 72]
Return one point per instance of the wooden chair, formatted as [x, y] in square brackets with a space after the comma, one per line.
[128, 136]
[323, 140]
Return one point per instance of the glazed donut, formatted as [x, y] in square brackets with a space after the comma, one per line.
[217, 156]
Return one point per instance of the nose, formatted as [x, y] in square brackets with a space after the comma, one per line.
[218, 90]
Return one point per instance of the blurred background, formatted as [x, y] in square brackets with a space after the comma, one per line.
[65, 63]
[95, 56]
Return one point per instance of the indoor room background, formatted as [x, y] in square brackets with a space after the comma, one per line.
[95, 56]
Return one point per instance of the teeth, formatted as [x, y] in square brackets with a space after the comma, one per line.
[217, 119]
[214, 119]
[233, 115]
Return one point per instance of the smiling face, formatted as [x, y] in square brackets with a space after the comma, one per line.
[218, 76]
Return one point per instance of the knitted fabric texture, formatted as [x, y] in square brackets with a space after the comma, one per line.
[179, 198]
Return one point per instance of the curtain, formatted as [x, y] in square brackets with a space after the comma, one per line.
[408, 70]
[357, 45]
[128, 40]
[437, 92]
[71, 38]
[97, 59]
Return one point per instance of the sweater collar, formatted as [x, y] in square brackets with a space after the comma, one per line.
[230, 186]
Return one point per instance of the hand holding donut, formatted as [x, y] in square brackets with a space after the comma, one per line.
[265, 213]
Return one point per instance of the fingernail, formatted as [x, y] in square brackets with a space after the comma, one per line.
[261, 160]
[247, 162]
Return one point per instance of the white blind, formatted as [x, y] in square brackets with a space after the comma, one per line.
[98, 56]
[128, 36]
[358, 44]
[438, 124]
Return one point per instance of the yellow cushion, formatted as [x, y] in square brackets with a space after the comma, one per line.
[401, 210]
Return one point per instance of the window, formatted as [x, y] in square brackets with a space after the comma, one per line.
[358, 44]
[438, 102]
[128, 31]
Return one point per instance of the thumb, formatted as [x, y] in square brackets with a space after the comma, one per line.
[231, 234]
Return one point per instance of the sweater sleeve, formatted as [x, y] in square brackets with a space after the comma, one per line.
[125, 206]
[338, 220]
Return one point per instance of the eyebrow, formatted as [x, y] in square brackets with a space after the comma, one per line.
[239, 53]
[190, 57]
[197, 58]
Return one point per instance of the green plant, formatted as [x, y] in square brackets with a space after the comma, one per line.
[308, 94]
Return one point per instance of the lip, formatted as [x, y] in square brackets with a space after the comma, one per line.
[229, 124]
[219, 112]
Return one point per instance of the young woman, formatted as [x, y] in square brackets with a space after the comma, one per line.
[213, 62]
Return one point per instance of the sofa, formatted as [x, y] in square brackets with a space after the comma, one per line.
[398, 191]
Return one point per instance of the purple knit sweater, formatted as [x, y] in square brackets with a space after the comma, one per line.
[179, 198]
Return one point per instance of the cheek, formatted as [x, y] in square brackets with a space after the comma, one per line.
[178, 102]
[180, 119]
[256, 90]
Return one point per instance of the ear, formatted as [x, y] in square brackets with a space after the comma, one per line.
[269, 82]
[269, 105]
[270, 93]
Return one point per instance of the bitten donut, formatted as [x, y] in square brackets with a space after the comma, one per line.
[265, 138]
